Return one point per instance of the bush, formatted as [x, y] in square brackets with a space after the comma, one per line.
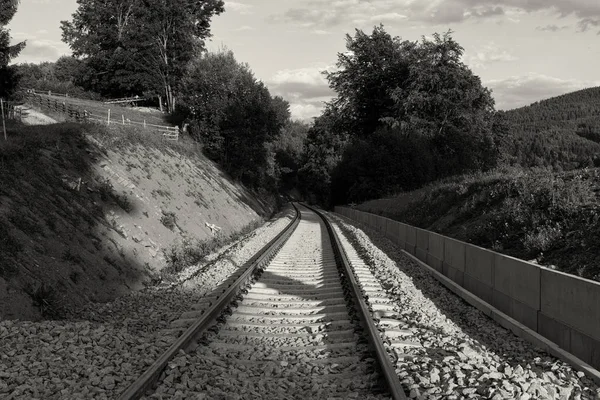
[169, 219]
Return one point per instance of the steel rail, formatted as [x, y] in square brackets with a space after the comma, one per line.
[387, 369]
[259, 260]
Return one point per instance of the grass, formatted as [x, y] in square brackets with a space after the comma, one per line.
[530, 214]
[191, 252]
[169, 219]
[119, 137]
[101, 109]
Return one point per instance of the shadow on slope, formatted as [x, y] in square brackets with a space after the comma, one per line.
[58, 247]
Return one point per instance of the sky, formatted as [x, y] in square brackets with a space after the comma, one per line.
[523, 50]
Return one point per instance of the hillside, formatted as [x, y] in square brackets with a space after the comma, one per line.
[88, 214]
[551, 218]
[561, 132]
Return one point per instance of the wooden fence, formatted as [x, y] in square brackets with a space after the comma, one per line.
[72, 112]
[11, 111]
[77, 114]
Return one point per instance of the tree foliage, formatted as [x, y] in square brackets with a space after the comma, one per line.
[8, 76]
[137, 46]
[233, 115]
[398, 103]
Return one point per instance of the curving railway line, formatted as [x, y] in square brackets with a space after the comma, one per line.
[297, 322]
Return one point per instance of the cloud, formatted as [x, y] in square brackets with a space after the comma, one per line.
[244, 28]
[305, 88]
[238, 7]
[39, 50]
[388, 17]
[551, 28]
[323, 13]
[488, 54]
[519, 91]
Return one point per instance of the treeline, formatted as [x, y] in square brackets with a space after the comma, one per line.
[406, 113]
[62, 76]
[562, 132]
[155, 48]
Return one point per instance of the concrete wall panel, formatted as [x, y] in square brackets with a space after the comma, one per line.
[455, 274]
[422, 239]
[558, 332]
[435, 263]
[479, 263]
[411, 235]
[454, 253]
[517, 279]
[525, 314]
[571, 300]
[502, 302]
[478, 288]
[401, 234]
[586, 348]
[436, 246]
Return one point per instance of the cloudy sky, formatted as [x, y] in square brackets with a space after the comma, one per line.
[524, 50]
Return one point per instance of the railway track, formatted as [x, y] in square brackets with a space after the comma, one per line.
[293, 325]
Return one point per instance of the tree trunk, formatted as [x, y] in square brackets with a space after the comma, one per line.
[169, 98]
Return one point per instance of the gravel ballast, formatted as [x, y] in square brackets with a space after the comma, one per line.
[464, 353]
[112, 344]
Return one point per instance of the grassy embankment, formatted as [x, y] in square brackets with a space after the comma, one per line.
[549, 217]
[87, 214]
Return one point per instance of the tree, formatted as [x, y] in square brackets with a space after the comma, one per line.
[8, 77]
[233, 115]
[100, 34]
[67, 69]
[371, 67]
[323, 149]
[139, 45]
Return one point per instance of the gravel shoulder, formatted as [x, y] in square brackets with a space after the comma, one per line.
[109, 345]
[464, 354]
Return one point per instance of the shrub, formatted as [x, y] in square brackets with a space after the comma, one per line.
[169, 219]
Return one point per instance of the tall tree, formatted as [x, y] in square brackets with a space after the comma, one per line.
[100, 34]
[139, 45]
[171, 33]
[8, 78]
[371, 67]
[232, 114]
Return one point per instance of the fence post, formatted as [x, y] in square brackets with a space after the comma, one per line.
[144, 123]
[108, 121]
[3, 124]
[123, 119]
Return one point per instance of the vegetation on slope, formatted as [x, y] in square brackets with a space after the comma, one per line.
[87, 214]
[531, 214]
[562, 132]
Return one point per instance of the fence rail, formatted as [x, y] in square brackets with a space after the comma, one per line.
[46, 93]
[77, 114]
[11, 111]
[125, 100]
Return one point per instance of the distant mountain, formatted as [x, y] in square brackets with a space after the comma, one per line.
[563, 131]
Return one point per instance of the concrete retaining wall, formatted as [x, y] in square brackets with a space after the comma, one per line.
[563, 308]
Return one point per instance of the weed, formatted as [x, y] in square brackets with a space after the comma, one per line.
[169, 219]
[123, 202]
[191, 252]
[163, 193]
[74, 276]
[105, 190]
[44, 297]
[146, 214]
[71, 257]
[26, 224]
